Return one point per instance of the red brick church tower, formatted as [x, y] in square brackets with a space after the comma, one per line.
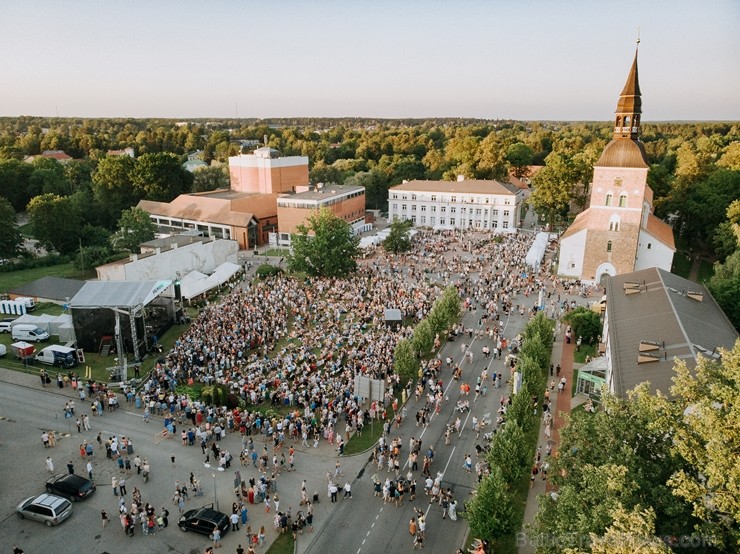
[618, 232]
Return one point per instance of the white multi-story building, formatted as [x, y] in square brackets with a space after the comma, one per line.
[462, 204]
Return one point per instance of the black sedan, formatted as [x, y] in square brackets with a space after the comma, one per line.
[70, 486]
[204, 520]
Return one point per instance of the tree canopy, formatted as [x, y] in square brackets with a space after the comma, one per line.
[324, 246]
[134, 227]
[398, 240]
[10, 236]
[676, 456]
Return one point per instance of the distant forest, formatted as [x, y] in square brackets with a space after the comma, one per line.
[694, 166]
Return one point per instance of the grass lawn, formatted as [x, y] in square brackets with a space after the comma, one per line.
[579, 357]
[13, 279]
[280, 252]
[706, 271]
[98, 364]
[283, 544]
[26, 230]
[681, 265]
[370, 435]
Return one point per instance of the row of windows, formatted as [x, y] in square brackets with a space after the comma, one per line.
[451, 199]
[453, 209]
[622, 200]
[422, 220]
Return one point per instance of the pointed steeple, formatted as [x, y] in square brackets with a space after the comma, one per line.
[629, 107]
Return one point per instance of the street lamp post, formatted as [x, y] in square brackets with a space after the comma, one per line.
[215, 495]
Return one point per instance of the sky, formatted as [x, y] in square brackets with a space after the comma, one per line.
[491, 59]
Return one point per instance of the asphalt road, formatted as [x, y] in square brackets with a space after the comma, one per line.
[26, 409]
[364, 524]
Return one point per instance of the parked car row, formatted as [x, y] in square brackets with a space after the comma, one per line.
[55, 505]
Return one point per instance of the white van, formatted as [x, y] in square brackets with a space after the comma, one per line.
[29, 332]
[58, 355]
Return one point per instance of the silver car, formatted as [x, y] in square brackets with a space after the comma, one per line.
[47, 508]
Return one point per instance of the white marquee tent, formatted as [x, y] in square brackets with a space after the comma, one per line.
[60, 325]
[537, 250]
[195, 282]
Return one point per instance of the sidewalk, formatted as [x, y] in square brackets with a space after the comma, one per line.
[562, 354]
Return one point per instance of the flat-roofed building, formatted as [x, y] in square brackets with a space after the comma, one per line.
[346, 202]
[461, 204]
[266, 171]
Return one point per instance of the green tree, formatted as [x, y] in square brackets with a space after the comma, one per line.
[725, 287]
[490, 513]
[113, 188]
[10, 237]
[15, 177]
[706, 434]
[585, 323]
[325, 246]
[134, 227]
[519, 158]
[91, 256]
[211, 178]
[56, 222]
[376, 187]
[160, 177]
[398, 240]
[731, 157]
[510, 452]
[550, 195]
[49, 177]
[423, 338]
[630, 533]
[724, 241]
[404, 361]
[622, 456]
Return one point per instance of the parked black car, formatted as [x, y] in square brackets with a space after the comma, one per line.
[203, 520]
[70, 486]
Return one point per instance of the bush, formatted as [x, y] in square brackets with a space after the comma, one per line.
[266, 270]
[585, 323]
[29, 262]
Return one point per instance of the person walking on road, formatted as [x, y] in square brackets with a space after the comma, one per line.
[49, 464]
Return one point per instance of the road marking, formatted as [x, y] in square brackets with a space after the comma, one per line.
[368, 534]
[358, 550]
[363, 542]
[373, 525]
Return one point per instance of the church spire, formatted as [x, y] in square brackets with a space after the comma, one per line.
[629, 107]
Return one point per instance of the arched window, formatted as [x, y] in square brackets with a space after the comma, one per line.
[619, 121]
[623, 201]
[614, 223]
[609, 246]
[626, 121]
[608, 200]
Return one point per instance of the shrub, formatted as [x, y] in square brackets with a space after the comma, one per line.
[266, 270]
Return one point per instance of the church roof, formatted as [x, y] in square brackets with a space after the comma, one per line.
[630, 100]
[623, 152]
[660, 230]
[581, 222]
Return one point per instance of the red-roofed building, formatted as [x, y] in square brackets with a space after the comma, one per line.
[59, 155]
